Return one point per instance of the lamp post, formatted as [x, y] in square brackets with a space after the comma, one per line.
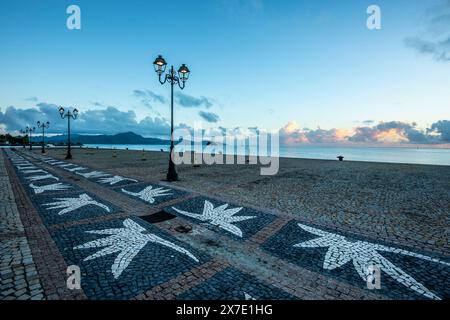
[172, 78]
[43, 126]
[29, 130]
[68, 115]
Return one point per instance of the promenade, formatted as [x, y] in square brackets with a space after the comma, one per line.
[221, 232]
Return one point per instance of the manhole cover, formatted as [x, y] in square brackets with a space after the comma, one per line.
[158, 217]
[183, 229]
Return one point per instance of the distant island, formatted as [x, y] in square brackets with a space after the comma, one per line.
[120, 138]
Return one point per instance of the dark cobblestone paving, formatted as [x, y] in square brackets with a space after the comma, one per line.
[231, 284]
[196, 208]
[404, 274]
[19, 279]
[150, 263]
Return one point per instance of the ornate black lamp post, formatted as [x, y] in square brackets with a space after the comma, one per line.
[68, 115]
[29, 130]
[43, 126]
[180, 79]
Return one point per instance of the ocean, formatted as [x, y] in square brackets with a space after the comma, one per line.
[431, 156]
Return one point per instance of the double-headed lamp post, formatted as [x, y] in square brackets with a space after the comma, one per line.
[172, 78]
[69, 114]
[43, 126]
[29, 131]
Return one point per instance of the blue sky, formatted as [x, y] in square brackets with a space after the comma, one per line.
[254, 63]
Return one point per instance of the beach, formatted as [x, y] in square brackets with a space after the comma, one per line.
[300, 234]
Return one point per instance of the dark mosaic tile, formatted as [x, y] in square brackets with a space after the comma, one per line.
[232, 284]
[240, 229]
[145, 193]
[151, 266]
[434, 276]
[94, 207]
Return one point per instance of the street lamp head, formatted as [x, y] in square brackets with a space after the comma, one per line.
[39, 124]
[61, 111]
[160, 65]
[75, 113]
[47, 124]
[183, 72]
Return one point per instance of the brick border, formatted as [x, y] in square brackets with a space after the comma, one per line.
[50, 264]
[171, 289]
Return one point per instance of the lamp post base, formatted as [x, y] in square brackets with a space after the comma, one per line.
[172, 174]
[68, 156]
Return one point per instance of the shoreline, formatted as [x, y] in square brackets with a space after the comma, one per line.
[394, 155]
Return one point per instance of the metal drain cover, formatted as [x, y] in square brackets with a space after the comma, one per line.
[160, 216]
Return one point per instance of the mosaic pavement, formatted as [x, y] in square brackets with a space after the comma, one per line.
[230, 251]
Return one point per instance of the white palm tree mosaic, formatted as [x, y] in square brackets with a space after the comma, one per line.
[93, 174]
[71, 204]
[149, 194]
[115, 179]
[77, 168]
[220, 216]
[363, 255]
[127, 242]
[42, 177]
[50, 187]
[34, 171]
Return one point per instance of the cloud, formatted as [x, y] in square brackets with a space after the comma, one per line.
[393, 132]
[209, 116]
[109, 120]
[439, 50]
[435, 35]
[441, 129]
[192, 102]
[147, 97]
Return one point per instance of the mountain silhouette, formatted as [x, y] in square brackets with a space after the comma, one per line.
[120, 138]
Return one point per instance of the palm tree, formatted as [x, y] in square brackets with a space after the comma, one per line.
[127, 242]
[364, 255]
[220, 216]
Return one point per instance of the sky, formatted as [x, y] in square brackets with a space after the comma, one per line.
[310, 69]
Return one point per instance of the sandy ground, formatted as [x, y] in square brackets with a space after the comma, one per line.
[407, 204]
